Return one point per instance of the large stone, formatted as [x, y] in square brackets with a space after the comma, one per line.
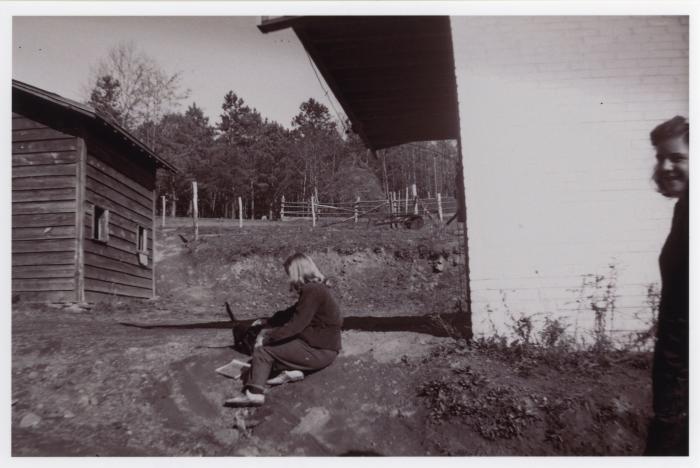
[313, 421]
[29, 420]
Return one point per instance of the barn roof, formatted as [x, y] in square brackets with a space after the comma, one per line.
[394, 76]
[22, 90]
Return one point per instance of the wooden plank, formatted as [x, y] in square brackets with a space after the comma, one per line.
[23, 147]
[121, 195]
[37, 159]
[124, 245]
[108, 263]
[42, 284]
[42, 220]
[114, 174]
[97, 296]
[45, 296]
[43, 245]
[119, 226]
[63, 194]
[119, 238]
[46, 170]
[133, 165]
[48, 232]
[111, 276]
[22, 123]
[112, 288]
[81, 170]
[38, 134]
[42, 183]
[46, 258]
[96, 247]
[19, 208]
[43, 271]
[113, 206]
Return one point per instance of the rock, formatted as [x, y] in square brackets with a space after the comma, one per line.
[84, 400]
[33, 374]
[77, 307]
[313, 421]
[621, 406]
[227, 436]
[29, 420]
[68, 414]
[247, 452]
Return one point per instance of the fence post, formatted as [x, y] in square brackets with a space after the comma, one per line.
[240, 212]
[282, 209]
[313, 212]
[414, 194]
[357, 208]
[405, 210]
[439, 202]
[162, 200]
[195, 213]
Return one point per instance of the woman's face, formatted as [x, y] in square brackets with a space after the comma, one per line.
[672, 166]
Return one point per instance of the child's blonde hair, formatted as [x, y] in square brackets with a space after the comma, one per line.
[301, 270]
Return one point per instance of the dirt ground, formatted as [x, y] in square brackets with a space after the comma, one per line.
[84, 382]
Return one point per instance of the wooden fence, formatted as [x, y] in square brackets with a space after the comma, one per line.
[440, 208]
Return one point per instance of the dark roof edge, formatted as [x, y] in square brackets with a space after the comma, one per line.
[91, 112]
[275, 23]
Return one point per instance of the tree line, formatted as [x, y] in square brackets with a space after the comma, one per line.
[244, 154]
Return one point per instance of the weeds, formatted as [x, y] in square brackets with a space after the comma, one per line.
[644, 339]
[494, 411]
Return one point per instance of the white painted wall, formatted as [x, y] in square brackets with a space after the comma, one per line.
[555, 114]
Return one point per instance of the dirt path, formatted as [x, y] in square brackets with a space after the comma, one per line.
[99, 388]
[85, 385]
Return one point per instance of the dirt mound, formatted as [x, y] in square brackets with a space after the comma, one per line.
[396, 278]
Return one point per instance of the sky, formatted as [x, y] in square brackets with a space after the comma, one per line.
[214, 55]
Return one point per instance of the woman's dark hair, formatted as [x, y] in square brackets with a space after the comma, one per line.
[672, 128]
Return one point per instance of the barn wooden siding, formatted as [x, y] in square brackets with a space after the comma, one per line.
[44, 164]
[114, 183]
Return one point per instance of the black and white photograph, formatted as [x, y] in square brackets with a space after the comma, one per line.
[332, 229]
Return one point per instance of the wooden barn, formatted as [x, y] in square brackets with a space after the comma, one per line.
[83, 202]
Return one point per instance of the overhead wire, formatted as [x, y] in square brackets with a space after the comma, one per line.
[326, 93]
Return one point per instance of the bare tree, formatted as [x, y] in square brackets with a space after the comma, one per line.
[146, 91]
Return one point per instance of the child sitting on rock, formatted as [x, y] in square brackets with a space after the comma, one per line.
[303, 338]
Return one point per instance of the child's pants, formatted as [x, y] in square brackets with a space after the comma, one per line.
[291, 355]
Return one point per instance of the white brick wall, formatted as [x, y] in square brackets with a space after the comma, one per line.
[555, 114]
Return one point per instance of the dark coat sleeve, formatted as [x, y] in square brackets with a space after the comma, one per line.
[302, 314]
[280, 317]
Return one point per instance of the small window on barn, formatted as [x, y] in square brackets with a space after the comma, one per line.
[142, 239]
[100, 224]
[142, 244]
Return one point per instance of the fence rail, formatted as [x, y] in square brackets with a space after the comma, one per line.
[439, 208]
